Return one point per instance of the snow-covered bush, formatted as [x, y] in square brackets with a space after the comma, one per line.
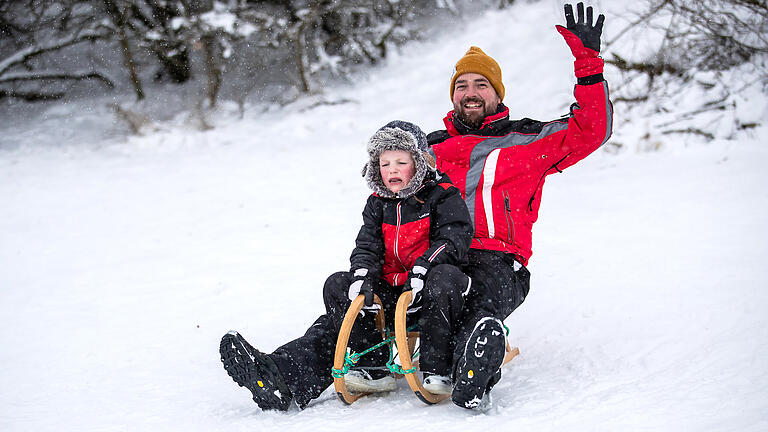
[710, 57]
[38, 41]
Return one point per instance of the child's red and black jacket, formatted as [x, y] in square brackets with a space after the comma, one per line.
[430, 227]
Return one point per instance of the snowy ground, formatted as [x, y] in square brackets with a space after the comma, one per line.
[122, 263]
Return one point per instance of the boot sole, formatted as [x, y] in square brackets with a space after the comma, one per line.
[482, 359]
[255, 371]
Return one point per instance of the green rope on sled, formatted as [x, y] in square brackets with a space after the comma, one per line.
[349, 360]
[396, 368]
[352, 358]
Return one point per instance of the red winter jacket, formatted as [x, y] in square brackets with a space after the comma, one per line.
[428, 228]
[500, 168]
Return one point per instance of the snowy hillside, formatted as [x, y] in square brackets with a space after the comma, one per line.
[123, 262]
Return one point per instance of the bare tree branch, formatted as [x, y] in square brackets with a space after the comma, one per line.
[30, 96]
[38, 76]
[48, 46]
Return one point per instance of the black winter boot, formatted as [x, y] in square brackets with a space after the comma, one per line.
[255, 371]
[480, 366]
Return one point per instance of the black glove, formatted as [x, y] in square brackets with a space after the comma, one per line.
[361, 284]
[415, 284]
[582, 34]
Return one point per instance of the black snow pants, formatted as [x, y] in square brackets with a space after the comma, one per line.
[491, 284]
[306, 362]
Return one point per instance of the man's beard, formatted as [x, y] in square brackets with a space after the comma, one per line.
[474, 119]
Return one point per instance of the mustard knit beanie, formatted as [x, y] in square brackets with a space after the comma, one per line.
[476, 61]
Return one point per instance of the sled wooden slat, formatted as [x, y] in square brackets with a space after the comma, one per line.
[343, 340]
[511, 353]
[404, 350]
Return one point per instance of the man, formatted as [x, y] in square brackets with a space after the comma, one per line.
[500, 165]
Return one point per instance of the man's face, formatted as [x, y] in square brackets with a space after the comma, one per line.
[474, 98]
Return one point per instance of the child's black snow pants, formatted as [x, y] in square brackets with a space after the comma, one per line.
[306, 362]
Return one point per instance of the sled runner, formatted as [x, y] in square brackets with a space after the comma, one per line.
[342, 361]
[405, 351]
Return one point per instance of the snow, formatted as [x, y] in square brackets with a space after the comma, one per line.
[123, 261]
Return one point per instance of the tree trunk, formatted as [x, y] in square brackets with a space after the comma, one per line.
[129, 62]
[212, 68]
[301, 59]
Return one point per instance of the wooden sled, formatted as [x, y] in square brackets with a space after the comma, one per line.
[342, 341]
[406, 342]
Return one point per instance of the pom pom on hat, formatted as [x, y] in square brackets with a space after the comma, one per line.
[476, 61]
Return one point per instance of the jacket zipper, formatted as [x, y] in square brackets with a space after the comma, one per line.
[510, 221]
[397, 236]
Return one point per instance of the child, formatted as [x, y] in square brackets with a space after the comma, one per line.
[416, 230]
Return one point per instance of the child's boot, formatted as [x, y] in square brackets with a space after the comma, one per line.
[364, 380]
[438, 384]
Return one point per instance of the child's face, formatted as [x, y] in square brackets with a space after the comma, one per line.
[396, 168]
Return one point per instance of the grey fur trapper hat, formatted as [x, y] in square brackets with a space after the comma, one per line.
[398, 135]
